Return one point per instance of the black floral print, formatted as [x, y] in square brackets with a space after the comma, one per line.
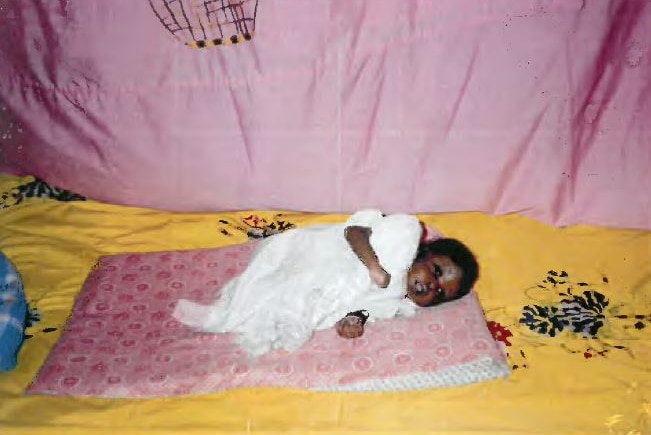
[32, 319]
[256, 227]
[37, 189]
[583, 311]
[582, 314]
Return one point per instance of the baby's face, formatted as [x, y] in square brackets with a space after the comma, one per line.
[433, 280]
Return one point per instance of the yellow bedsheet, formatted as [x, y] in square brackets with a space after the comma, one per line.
[561, 384]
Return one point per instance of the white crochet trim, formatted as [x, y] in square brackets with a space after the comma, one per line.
[483, 369]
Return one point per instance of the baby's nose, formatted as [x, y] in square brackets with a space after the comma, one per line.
[418, 272]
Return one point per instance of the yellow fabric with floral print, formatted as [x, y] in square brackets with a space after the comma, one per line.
[571, 307]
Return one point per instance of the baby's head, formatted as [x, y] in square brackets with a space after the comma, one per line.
[444, 270]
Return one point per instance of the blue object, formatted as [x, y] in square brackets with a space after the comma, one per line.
[13, 311]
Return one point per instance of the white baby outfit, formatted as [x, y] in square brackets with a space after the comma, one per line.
[307, 279]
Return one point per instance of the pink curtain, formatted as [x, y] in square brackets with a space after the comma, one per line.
[540, 107]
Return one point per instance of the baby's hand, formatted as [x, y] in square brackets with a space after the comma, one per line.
[380, 277]
[350, 327]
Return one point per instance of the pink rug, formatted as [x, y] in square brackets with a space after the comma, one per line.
[121, 340]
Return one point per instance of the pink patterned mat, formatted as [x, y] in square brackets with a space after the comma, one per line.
[121, 340]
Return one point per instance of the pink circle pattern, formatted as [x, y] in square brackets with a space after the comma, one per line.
[121, 340]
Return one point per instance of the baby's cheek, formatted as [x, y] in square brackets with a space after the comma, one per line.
[418, 272]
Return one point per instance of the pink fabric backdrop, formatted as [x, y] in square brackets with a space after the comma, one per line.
[533, 106]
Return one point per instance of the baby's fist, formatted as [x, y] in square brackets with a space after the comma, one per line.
[350, 327]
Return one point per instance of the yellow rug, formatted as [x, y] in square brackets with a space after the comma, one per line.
[571, 306]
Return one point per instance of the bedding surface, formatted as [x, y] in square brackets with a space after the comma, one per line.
[122, 341]
[570, 306]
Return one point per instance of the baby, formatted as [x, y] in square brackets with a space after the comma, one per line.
[312, 278]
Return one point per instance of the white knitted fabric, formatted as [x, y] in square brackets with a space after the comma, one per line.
[483, 369]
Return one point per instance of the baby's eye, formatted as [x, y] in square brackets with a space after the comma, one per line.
[438, 271]
[440, 294]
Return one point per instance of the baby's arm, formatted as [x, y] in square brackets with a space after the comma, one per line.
[358, 238]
